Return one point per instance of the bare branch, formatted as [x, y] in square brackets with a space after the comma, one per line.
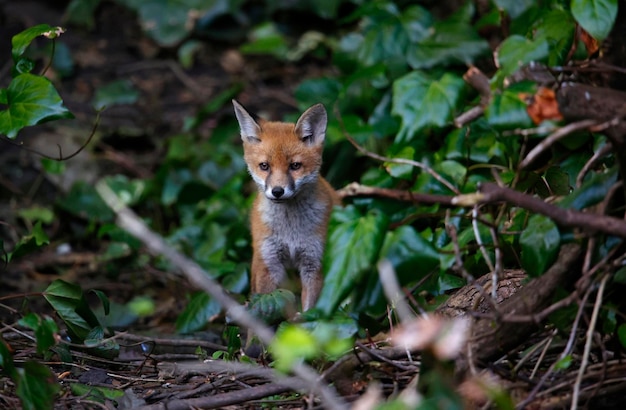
[130, 222]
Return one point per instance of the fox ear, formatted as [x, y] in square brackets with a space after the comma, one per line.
[250, 130]
[311, 126]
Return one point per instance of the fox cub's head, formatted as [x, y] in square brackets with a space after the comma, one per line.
[283, 158]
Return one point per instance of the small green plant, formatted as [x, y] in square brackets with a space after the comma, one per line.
[29, 99]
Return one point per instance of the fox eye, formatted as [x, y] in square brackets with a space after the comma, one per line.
[294, 166]
[264, 166]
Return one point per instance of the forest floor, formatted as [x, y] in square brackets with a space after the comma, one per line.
[156, 368]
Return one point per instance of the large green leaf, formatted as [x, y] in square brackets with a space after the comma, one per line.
[422, 100]
[354, 243]
[540, 244]
[451, 42]
[31, 100]
[70, 304]
[595, 16]
[197, 314]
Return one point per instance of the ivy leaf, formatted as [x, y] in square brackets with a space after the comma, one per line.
[540, 244]
[31, 100]
[507, 109]
[21, 41]
[517, 51]
[451, 42]
[354, 242]
[197, 314]
[70, 304]
[412, 256]
[274, 306]
[114, 93]
[421, 101]
[595, 16]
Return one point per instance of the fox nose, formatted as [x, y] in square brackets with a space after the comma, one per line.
[278, 192]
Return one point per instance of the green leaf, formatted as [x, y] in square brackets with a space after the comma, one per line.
[385, 38]
[31, 100]
[354, 242]
[540, 243]
[558, 181]
[595, 16]
[81, 13]
[291, 345]
[45, 330]
[591, 192]
[621, 334]
[142, 306]
[409, 254]
[404, 171]
[199, 311]
[507, 110]
[21, 41]
[128, 191]
[421, 101]
[169, 21]
[84, 201]
[69, 303]
[557, 28]
[30, 243]
[6, 360]
[517, 51]
[266, 39]
[274, 306]
[451, 42]
[563, 364]
[115, 93]
[514, 7]
[37, 386]
[37, 213]
[96, 393]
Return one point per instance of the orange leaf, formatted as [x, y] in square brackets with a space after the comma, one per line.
[542, 106]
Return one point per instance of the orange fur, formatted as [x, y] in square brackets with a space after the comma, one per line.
[290, 215]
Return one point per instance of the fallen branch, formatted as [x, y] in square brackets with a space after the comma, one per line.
[130, 222]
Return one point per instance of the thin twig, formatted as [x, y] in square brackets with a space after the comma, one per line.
[564, 132]
[601, 153]
[553, 138]
[588, 341]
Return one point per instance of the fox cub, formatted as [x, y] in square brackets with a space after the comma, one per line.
[290, 215]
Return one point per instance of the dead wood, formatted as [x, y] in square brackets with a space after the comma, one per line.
[491, 336]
